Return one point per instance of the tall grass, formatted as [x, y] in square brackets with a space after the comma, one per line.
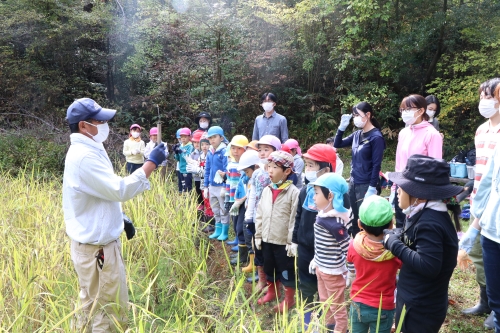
[178, 281]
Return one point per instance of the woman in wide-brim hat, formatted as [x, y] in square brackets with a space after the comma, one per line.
[428, 243]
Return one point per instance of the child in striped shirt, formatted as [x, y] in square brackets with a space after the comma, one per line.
[331, 243]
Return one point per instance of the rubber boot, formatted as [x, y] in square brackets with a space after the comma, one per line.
[233, 242]
[288, 302]
[262, 279]
[242, 257]
[273, 293]
[217, 232]
[481, 307]
[307, 320]
[235, 248]
[254, 277]
[223, 234]
[250, 267]
[489, 323]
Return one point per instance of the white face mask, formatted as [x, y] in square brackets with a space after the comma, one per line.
[311, 176]
[203, 124]
[135, 135]
[430, 113]
[358, 122]
[268, 106]
[264, 161]
[102, 132]
[409, 117]
[487, 107]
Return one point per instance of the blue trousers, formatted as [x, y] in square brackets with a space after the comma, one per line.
[491, 255]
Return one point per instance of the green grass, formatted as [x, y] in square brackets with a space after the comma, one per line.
[178, 280]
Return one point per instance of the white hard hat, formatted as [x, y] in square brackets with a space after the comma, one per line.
[249, 158]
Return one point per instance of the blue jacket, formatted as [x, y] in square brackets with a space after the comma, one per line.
[367, 155]
[216, 160]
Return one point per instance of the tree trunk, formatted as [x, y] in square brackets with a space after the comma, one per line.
[439, 50]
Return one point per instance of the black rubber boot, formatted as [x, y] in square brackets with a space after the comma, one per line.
[481, 307]
[489, 322]
[242, 257]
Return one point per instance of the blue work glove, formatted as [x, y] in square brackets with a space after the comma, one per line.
[391, 237]
[344, 121]
[371, 191]
[157, 155]
[468, 239]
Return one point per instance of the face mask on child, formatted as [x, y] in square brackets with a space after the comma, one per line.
[135, 135]
[311, 176]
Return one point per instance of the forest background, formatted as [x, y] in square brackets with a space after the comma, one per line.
[177, 58]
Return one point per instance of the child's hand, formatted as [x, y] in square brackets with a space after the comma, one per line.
[349, 278]
[258, 243]
[221, 173]
[291, 250]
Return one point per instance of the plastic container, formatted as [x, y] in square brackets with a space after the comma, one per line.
[458, 170]
[453, 169]
[471, 171]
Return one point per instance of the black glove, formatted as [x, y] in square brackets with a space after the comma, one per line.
[227, 206]
[128, 226]
[157, 155]
[392, 236]
[250, 226]
[177, 148]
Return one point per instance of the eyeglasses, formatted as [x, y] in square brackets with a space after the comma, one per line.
[407, 110]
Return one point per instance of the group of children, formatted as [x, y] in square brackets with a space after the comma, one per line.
[258, 185]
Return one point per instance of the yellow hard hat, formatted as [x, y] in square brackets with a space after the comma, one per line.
[239, 141]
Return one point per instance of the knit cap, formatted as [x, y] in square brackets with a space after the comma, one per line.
[375, 211]
[281, 158]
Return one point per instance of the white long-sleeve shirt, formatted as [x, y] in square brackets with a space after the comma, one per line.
[92, 193]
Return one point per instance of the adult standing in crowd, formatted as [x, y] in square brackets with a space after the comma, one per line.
[368, 147]
[203, 121]
[419, 137]
[486, 139]
[92, 196]
[271, 122]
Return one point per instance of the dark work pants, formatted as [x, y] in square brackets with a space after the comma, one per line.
[308, 283]
[259, 257]
[418, 319]
[185, 182]
[356, 195]
[277, 265]
[239, 225]
[491, 253]
[400, 216]
[199, 197]
[248, 239]
[131, 167]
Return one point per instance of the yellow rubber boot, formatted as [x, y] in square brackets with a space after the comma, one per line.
[250, 267]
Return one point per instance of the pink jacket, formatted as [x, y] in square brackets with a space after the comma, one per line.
[420, 139]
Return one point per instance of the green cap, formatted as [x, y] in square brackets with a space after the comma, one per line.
[375, 211]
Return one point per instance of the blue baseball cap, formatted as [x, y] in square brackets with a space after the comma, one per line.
[335, 184]
[87, 108]
[178, 134]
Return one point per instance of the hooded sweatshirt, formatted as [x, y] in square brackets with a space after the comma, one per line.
[376, 270]
[420, 139]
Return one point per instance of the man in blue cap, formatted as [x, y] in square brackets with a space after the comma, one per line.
[92, 196]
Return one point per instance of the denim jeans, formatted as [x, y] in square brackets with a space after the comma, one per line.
[364, 318]
[491, 253]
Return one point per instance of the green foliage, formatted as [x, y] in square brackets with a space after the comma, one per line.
[25, 152]
[156, 59]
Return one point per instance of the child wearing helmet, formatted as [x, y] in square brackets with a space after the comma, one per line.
[235, 150]
[153, 135]
[319, 159]
[274, 224]
[249, 163]
[260, 179]
[331, 243]
[376, 269]
[214, 186]
[133, 149]
[298, 163]
[193, 161]
[185, 181]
